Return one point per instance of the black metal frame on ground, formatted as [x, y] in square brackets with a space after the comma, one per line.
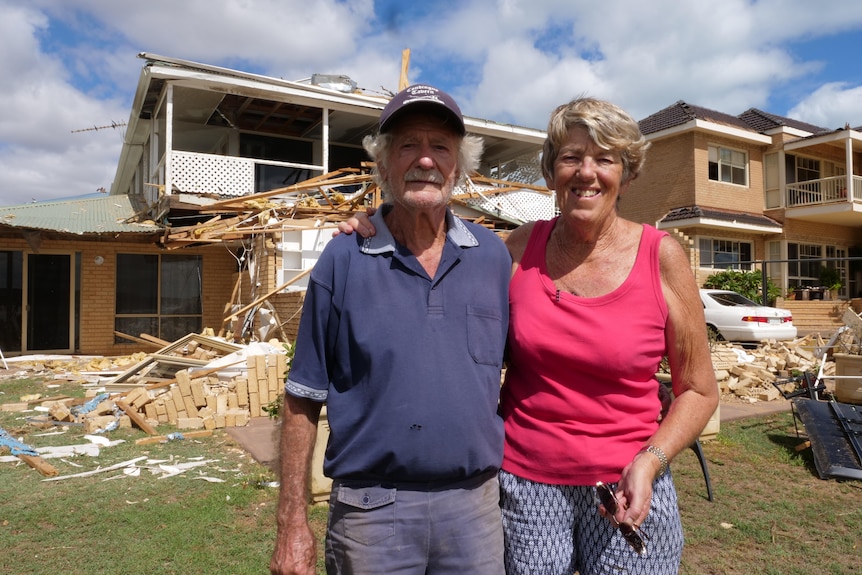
[833, 437]
[833, 428]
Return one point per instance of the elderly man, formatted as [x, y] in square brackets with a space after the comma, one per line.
[402, 336]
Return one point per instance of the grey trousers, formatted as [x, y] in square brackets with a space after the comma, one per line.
[403, 529]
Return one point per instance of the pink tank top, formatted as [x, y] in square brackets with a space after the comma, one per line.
[580, 396]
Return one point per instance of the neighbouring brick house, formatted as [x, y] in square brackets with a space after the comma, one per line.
[738, 190]
[88, 276]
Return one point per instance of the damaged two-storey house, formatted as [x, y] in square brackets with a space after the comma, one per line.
[227, 188]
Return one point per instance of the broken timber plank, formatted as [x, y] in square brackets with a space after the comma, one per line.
[312, 183]
[39, 465]
[99, 470]
[134, 339]
[26, 454]
[136, 417]
[172, 436]
[265, 297]
[154, 339]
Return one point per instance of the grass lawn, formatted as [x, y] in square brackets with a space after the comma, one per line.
[771, 514]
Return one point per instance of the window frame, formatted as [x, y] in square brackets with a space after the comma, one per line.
[724, 163]
[158, 313]
[737, 261]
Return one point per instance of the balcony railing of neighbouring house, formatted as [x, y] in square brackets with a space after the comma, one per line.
[823, 191]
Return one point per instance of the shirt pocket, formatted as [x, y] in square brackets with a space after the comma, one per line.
[485, 335]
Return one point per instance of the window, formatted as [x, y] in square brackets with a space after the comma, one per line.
[726, 165]
[725, 254]
[158, 295]
[268, 176]
[838, 257]
[807, 169]
[772, 191]
[804, 265]
[11, 299]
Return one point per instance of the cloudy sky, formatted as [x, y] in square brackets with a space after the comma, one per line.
[71, 65]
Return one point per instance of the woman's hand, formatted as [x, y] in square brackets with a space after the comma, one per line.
[634, 490]
[359, 223]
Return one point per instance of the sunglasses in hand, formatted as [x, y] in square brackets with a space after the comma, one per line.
[631, 533]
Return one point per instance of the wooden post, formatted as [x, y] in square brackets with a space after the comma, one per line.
[405, 65]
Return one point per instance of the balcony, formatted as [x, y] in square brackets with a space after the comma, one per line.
[233, 176]
[825, 200]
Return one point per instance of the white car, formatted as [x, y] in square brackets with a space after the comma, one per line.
[734, 317]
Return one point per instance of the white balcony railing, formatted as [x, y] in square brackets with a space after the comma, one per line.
[823, 191]
[226, 175]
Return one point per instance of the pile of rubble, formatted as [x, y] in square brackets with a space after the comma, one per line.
[757, 374]
[197, 382]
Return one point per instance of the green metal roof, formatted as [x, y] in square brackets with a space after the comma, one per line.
[110, 214]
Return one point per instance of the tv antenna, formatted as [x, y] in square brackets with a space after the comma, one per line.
[113, 125]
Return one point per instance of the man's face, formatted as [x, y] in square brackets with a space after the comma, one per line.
[422, 166]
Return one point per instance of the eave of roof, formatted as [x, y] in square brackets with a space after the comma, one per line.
[690, 216]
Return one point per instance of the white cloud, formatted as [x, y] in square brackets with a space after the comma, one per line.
[40, 156]
[831, 106]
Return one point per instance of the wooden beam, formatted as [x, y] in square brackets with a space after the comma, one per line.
[263, 298]
[137, 339]
[403, 82]
[136, 417]
[39, 465]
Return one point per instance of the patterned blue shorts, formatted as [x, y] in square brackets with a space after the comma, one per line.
[557, 530]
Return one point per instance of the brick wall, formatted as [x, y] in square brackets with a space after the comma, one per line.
[676, 174]
[666, 181]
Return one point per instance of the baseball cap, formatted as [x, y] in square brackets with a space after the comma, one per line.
[424, 97]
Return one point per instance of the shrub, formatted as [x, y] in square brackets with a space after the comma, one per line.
[748, 284]
[830, 278]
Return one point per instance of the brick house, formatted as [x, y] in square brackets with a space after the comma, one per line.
[74, 272]
[90, 276]
[738, 190]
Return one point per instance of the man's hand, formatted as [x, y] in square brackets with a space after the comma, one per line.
[295, 552]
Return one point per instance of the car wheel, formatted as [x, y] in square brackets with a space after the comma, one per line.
[713, 333]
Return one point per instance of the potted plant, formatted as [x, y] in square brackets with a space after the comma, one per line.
[830, 278]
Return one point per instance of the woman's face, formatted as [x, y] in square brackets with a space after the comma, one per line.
[587, 179]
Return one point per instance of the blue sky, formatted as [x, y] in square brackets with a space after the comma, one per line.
[69, 65]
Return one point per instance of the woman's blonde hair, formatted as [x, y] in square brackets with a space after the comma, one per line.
[609, 126]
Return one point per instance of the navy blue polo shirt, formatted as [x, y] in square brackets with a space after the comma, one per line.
[408, 365]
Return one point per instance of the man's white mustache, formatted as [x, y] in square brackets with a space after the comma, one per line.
[433, 176]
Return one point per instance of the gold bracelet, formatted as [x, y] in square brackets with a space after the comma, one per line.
[662, 458]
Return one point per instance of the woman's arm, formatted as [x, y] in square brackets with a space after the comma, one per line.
[694, 384]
